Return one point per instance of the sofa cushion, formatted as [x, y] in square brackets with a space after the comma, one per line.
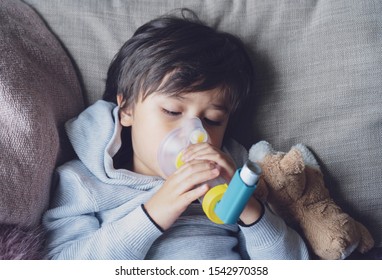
[39, 90]
[319, 84]
[318, 79]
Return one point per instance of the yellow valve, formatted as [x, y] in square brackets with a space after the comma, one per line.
[198, 136]
[211, 198]
[178, 161]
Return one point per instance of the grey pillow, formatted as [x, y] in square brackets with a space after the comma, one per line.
[318, 76]
[39, 90]
[319, 83]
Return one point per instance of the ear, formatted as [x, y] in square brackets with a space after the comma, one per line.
[125, 114]
[292, 162]
[259, 151]
[307, 156]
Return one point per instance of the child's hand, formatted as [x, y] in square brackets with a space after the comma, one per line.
[205, 151]
[179, 191]
[251, 212]
[226, 165]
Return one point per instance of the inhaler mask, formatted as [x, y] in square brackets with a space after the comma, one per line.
[224, 202]
[172, 146]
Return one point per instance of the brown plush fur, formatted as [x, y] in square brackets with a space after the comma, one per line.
[296, 191]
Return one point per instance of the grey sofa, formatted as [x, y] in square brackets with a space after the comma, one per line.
[318, 81]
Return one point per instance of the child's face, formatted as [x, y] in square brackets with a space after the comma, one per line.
[154, 117]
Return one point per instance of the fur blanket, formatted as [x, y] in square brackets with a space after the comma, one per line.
[20, 244]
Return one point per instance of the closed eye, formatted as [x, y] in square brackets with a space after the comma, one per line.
[170, 113]
[212, 123]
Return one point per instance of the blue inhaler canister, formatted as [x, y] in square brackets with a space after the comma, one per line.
[222, 204]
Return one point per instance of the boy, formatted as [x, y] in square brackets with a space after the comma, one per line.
[115, 203]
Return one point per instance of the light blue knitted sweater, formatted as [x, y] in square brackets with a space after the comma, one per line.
[96, 209]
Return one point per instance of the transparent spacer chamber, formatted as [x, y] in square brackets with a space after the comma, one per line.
[172, 146]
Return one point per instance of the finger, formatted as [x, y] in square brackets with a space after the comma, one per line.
[194, 175]
[199, 152]
[181, 176]
[196, 179]
[194, 166]
[223, 161]
[194, 194]
[193, 150]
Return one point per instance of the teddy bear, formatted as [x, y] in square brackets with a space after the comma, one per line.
[293, 186]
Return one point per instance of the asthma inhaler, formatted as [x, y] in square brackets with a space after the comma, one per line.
[172, 147]
[223, 203]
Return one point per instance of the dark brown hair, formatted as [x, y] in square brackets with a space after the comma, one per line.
[192, 56]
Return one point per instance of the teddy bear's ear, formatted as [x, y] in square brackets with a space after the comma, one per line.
[292, 162]
[259, 150]
[307, 156]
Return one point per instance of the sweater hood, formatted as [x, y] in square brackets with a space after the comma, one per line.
[96, 137]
